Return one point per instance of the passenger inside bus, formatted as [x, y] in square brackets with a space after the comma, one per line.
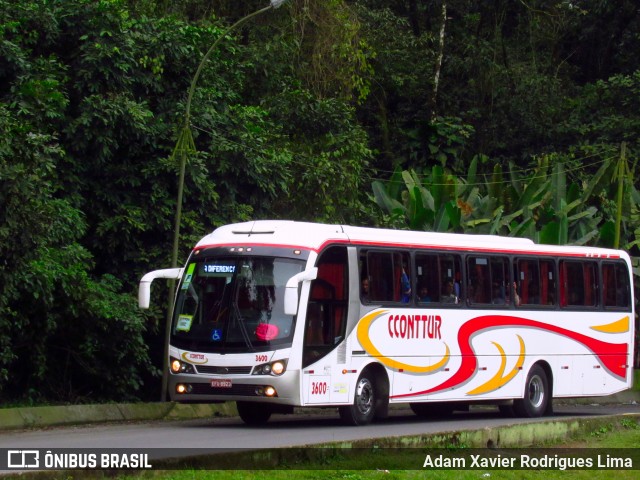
[498, 294]
[448, 295]
[364, 289]
[516, 297]
[423, 296]
[405, 286]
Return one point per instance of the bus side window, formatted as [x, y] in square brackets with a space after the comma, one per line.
[450, 267]
[574, 284]
[499, 281]
[365, 282]
[479, 280]
[327, 307]
[318, 313]
[579, 287]
[563, 284]
[547, 282]
[590, 284]
[536, 282]
[529, 282]
[380, 269]
[615, 285]
[389, 276]
[428, 288]
[402, 272]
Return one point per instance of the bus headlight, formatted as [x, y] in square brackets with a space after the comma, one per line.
[178, 366]
[182, 388]
[267, 391]
[276, 368]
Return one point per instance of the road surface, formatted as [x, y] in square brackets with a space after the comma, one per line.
[281, 431]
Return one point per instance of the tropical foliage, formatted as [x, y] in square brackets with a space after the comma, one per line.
[539, 205]
[496, 117]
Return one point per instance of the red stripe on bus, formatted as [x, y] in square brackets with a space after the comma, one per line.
[466, 249]
[251, 245]
[417, 246]
[610, 355]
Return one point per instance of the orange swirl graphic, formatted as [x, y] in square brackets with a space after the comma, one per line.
[498, 380]
[365, 341]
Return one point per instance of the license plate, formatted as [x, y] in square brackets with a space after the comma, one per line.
[219, 383]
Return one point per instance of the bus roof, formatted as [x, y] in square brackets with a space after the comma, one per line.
[275, 233]
[314, 236]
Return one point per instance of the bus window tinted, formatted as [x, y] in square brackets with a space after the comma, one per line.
[450, 273]
[578, 284]
[488, 280]
[427, 276]
[536, 282]
[438, 278]
[615, 285]
[389, 276]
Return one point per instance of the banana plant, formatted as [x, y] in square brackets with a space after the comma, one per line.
[568, 218]
[626, 230]
[424, 205]
[510, 206]
[547, 209]
[540, 205]
[439, 201]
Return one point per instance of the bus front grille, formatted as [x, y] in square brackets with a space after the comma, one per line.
[215, 370]
[242, 390]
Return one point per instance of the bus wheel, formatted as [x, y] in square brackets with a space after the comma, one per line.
[253, 413]
[364, 403]
[536, 395]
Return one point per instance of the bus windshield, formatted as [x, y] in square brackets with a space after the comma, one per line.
[234, 304]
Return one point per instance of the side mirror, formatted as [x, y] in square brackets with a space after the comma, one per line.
[291, 290]
[144, 290]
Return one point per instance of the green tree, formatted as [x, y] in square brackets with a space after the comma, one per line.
[54, 314]
[100, 90]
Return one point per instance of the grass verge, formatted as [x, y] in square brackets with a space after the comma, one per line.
[607, 440]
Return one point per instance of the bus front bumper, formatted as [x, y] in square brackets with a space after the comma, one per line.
[284, 389]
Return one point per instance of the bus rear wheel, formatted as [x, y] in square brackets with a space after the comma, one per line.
[537, 395]
[253, 413]
[363, 409]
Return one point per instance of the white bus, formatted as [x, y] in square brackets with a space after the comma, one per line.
[278, 314]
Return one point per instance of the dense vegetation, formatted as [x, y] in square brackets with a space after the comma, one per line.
[519, 118]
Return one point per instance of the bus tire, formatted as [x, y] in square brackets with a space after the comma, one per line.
[537, 395]
[363, 409]
[253, 413]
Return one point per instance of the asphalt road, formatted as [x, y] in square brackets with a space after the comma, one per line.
[281, 431]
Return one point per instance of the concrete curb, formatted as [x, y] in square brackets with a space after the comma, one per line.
[554, 433]
[41, 417]
[504, 436]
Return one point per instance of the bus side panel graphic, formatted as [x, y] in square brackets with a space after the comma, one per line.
[611, 356]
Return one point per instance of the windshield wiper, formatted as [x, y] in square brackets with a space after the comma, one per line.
[240, 320]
